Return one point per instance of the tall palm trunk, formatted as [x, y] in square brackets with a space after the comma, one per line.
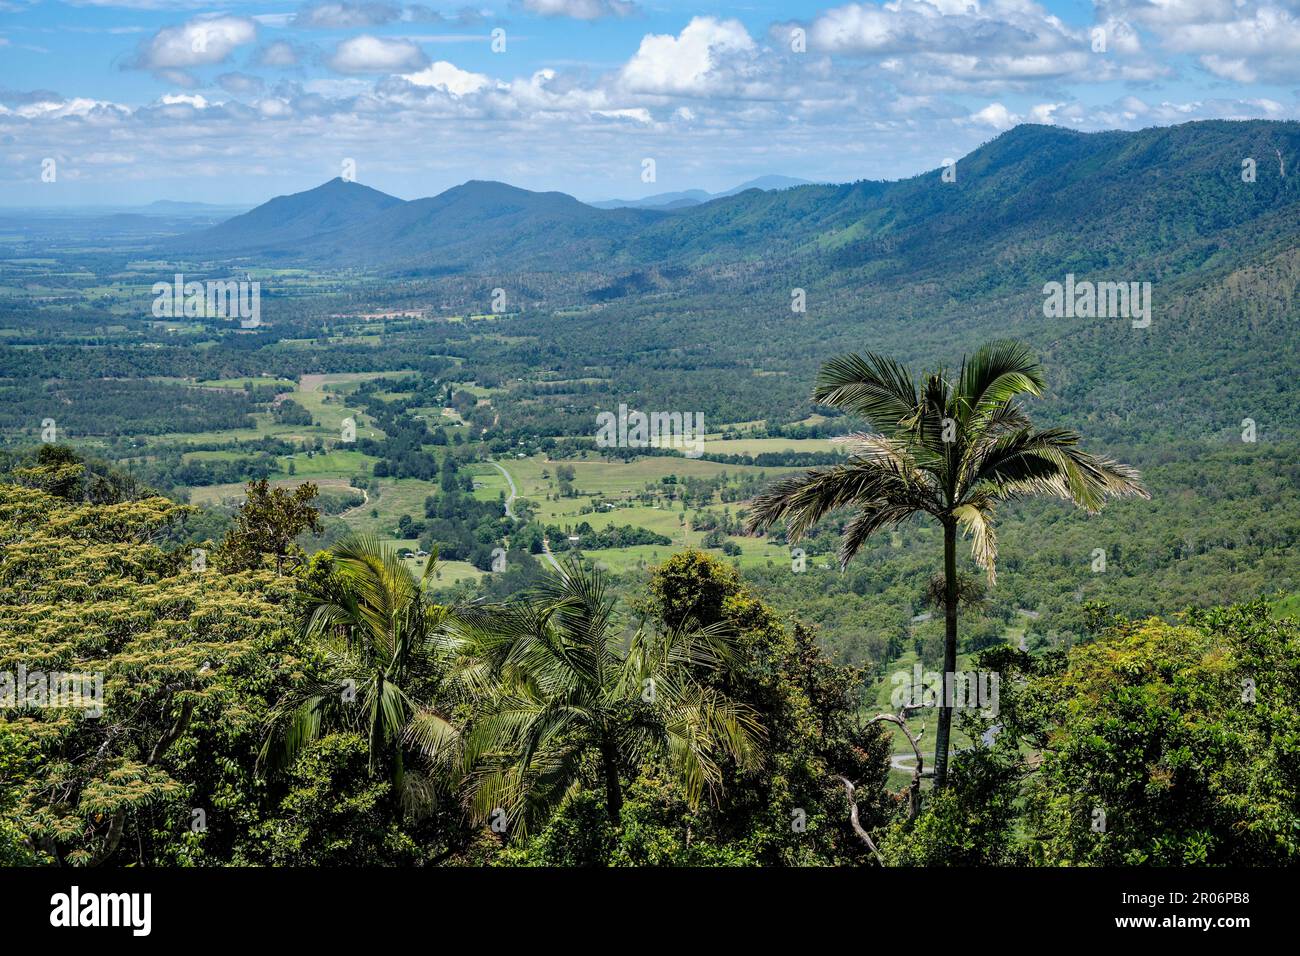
[949, 650]
[613, 789]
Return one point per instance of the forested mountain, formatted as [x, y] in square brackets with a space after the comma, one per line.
[481, 223]
[281, 223]
[348, 225]
[1030, 201]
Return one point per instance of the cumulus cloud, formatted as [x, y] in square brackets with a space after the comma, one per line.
[700, 60]
[50, 106]
[177, 77]
[202, 41]
[372, 54]
[1164, 13]
[1265, 45]
[449, 78]
[995, 115]
[930, 46]
[951, 26]
[184, 99]
[1243, 41]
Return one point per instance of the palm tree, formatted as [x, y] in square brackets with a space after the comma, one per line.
[380, 638]
[950, 448]
[560, 690]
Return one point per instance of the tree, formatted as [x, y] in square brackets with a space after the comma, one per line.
[165, 714]
[951, 448]
[62, 472]
[1161, 744]
[379, 637]
[266, 523]
[810, 709]
[560, 686]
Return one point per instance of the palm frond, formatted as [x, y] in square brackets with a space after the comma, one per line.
[805, 499]
[975, 518]
[995, 374]
[1050, 462]
[871, 517]
[872, 386]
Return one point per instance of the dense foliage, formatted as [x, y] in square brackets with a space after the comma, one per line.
[331, 713]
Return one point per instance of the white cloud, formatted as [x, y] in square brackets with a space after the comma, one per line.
[177, 78]
[445, 76]
[1044, 113]
[636, 115]
[691, 63]
[371, 54]
[199, 42]
[930, 46]
[1263, 45]
[275, 108]
[1229, 68]
[909, 26]
[186, 99]
[1164, 13]
[59, 108]
[995, 115]
[1269, 31]
[1243, 41]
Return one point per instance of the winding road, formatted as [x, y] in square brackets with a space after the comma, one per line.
[510, 511]
[546, 550]
[514, 492]
[355, 508]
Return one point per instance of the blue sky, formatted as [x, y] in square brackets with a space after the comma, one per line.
[136, 100]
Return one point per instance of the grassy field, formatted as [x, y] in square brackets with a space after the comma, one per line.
[757, 446]
[233, 493]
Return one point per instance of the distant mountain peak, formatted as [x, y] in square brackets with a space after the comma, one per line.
[694, 197]
[286, 221]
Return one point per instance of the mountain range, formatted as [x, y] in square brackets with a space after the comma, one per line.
[1030, 200]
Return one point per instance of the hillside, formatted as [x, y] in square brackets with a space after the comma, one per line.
[481, 223]
[278, 226]
[1033, 200]
[346, 225]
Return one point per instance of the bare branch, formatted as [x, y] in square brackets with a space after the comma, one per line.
[857, 824]
[914, 788]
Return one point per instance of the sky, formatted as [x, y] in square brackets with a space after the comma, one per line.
[122, 102]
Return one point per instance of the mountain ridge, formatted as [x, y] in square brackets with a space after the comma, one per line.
[693, 197]
[1038, 194]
